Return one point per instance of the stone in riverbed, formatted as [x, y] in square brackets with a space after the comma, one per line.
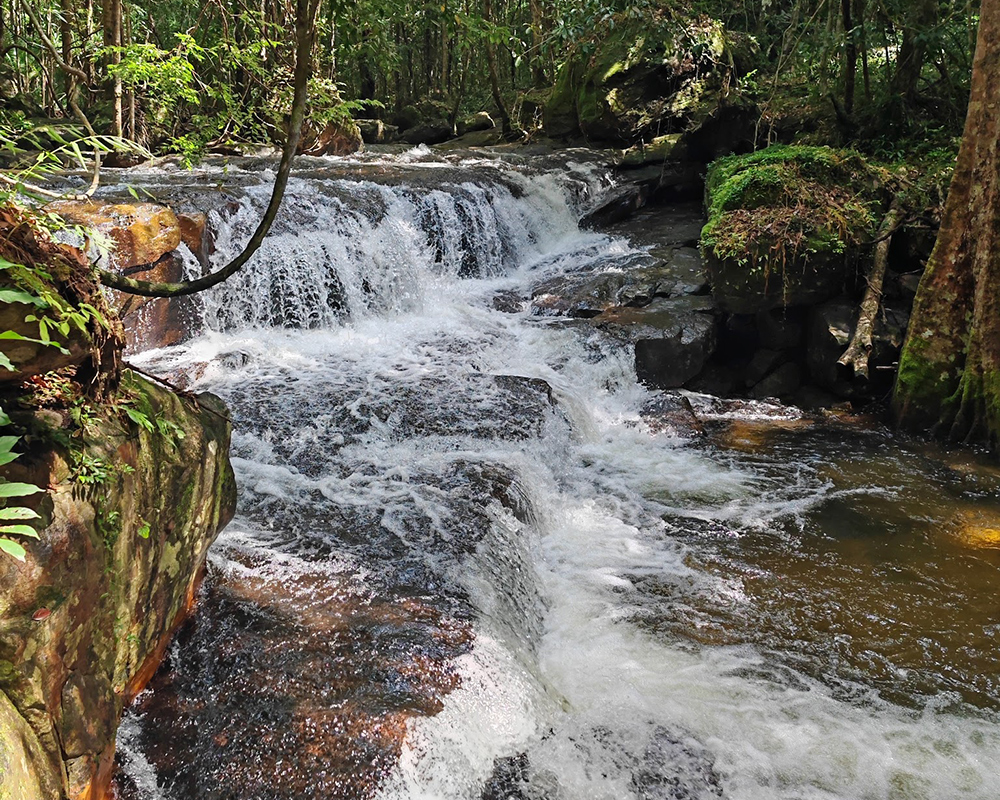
[673, 337]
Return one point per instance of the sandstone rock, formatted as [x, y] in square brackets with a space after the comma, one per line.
[673, 338]
[114, 572]
[195, 234]
[372, 130]
[152, 322]
[140, 232]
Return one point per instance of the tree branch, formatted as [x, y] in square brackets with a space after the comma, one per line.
[305, 19]
[860, 348]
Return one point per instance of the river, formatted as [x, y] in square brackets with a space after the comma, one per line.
[465, 564]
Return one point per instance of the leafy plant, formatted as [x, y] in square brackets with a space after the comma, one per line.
[14, 519]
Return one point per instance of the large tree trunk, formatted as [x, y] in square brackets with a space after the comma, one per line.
[949, 372]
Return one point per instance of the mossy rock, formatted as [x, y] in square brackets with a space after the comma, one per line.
[785, 225]
[638, 78]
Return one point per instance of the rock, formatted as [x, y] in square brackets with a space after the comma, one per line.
[785, 225]
[152, 322]
[671, 413]
[781, 383]
[337, 138]
[648, 79]
[141, 232]
[779, 329]
[509, 302]
[372, 130]
[196, 236]
[434, 131]
[507, 782]
[32, 357]
[830, 329]
[116, 568]
[662, 148]
[673, 338]
[587, 294]
[480, 121]
[624, 202]
[762, 363]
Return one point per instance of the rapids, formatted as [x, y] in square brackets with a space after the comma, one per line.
[464, 565]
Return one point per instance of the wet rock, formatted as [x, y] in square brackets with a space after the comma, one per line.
[86, 619]
[141, 232]
[196, 236]
[664, 227]
[673, 338]
[588, 294]
[676, 767]
[152, 322]
[507, 782]
[671, 413]
[830, 329]
[336, 138]
[509, 302]
[624, 202]
[782, 383]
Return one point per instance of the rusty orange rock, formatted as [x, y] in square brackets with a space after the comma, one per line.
[141, 232]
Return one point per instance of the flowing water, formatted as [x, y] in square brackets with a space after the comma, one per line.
[465, 565]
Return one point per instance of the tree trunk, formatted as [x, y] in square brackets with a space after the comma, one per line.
[491, 63]
[850, 57]
[112, 23]
[949, 371]
[919, 22]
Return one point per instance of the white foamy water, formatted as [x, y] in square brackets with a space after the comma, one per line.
[358, 352]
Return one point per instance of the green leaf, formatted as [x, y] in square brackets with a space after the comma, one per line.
[18, 512]
[18, 489]
[144, 530]
[139, 419]
[20, 530]
[6, 458]
[12, 549]
[8, 365]
[4, 419]
[19, 296]
[7, 442]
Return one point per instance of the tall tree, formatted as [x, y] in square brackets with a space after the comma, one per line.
[949, 372]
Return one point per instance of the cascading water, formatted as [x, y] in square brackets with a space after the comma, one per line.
[464, 566]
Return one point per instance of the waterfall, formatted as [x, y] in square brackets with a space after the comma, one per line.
[463, 566]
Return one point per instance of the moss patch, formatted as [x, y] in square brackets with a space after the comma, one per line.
[786, 200]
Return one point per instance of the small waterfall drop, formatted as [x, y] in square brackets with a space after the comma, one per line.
[463, 567]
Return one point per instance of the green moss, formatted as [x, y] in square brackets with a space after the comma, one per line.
[787, 200]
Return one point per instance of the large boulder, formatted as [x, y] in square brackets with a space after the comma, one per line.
[785, 225]
[126, 524]
[640, 80]
[139, 232]
[673, 338]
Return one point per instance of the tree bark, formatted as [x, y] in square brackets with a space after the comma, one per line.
[949, 371]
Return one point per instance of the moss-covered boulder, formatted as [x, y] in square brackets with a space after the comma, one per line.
[138, 488]
[786, 224]
[641, 77]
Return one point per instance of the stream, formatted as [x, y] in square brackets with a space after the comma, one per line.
[465, 565]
